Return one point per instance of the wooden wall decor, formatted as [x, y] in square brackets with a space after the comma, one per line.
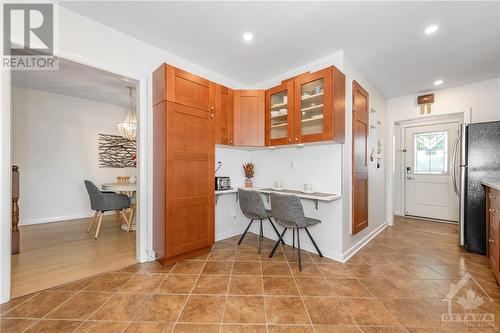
[117, 152]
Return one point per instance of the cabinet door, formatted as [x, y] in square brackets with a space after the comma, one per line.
[188, 89]
[279, 114]
[313, 105]
[190, 180]
[224, 119]
[249, 117]
[360, 128]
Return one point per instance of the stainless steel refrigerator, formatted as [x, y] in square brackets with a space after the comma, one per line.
[479, 149]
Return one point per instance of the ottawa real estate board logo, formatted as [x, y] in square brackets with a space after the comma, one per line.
[467, 305]
[28, 36]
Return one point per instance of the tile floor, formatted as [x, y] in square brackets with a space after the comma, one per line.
[394, 284]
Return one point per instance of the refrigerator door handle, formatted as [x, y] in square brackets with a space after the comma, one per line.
[454, 167]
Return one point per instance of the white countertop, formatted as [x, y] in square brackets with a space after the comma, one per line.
[493, 183]
[311, 196]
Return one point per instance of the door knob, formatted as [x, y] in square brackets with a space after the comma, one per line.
[410, 178]
[491, 240]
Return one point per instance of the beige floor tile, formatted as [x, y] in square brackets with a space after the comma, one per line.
[109, 282]
[15, 325]
[314, 286]
[121, 307]
[198, 328]
[247, 268]
[285, 310]
[39, 305]
[149, 328]
[246, 285]
[279, 285]
[217, 268]
[161, 308]
[327, 311]
[236, 328]
[203, 309]
[211, 284]
[178, 284]
[102, 327]
[275, 269]
[81, 306]
[142, 283]
[370, 312]
[244, 310]
[54, 326]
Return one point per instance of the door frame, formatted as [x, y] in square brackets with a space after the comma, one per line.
[144, 248]
[403, 125]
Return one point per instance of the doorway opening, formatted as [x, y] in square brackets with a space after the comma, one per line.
[424, 182]
[65, 131]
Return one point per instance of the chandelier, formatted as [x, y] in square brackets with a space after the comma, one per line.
[128, 128]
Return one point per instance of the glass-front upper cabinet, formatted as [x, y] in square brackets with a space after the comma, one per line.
[279, 114]
[313, 95]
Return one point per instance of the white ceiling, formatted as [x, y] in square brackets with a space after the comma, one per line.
[385, 40]
[78, 80]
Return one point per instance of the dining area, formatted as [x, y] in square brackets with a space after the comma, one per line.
[120, 197]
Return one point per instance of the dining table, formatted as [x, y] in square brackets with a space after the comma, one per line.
[130, 190]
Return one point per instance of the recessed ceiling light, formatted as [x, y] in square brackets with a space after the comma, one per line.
[247, 36]
[438, 82]
[431, 29]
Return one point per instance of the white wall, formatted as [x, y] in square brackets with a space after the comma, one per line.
[55, 145]
[482, 97]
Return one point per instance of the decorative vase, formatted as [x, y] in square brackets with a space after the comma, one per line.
[248, 182]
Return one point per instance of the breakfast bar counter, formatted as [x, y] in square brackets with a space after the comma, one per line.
[314, 196]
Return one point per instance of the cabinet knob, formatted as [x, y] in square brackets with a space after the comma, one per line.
[211, 116]
[289, 140]
[212, 108]
[296, 139]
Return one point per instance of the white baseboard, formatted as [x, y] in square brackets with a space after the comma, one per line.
[359, 245]
[24, 222]
[228, 234]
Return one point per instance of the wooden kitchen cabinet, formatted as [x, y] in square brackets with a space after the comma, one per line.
[249, 118]
[492, 229]
[224, 115]
[183, 165]
[360, 127]
[314, 109]
[279, 114]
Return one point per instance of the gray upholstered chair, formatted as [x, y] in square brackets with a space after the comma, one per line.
[252, 206]
[288, 212]
[102, 202]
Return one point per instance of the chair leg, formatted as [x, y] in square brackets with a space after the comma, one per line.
[129, 222]
[261, 230]
[274, 227]
[259, 239]
[314, 243]
[92, 221]
[293, 238]
[99, 225]
[298, 250]
[131, 216]
[277, 243]
[244, 234]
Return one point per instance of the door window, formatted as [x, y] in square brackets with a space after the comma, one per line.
[431, 153]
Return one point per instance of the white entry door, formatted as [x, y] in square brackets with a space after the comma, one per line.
[428, 181]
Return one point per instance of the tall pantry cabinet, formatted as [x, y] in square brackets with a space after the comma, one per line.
[183, 164]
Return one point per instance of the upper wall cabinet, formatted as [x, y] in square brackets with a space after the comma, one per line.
[307, 108]
[181, 87]
[249, 118]
[279, 114]
[224, 115]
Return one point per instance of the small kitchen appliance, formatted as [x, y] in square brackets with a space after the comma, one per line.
[222, 183]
